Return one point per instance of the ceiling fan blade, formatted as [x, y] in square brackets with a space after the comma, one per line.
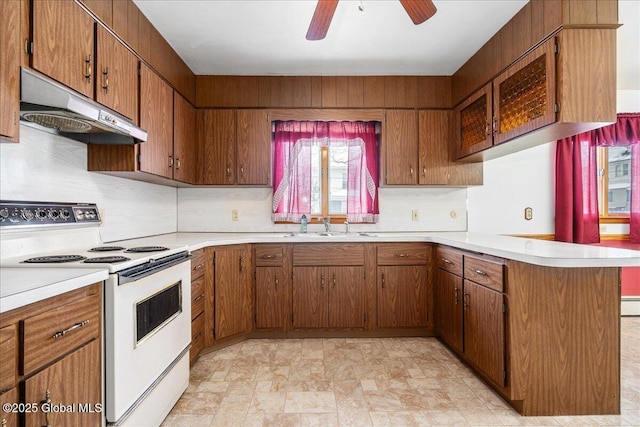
[321, 19]
[419, 10]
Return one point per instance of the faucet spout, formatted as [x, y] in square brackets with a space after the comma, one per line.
[327, 223]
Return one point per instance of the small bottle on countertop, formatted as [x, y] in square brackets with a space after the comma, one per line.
[303, 224]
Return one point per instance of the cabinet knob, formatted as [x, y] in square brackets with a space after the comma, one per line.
[446, 261]
[277, 281]
[411, 170]
[228, 170]
[242, 170]
[480, 272]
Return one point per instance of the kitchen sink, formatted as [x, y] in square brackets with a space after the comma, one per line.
[330, 234]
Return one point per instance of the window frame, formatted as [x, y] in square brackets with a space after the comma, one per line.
[602, 156]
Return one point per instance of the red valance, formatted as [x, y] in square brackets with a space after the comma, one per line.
[625, 131]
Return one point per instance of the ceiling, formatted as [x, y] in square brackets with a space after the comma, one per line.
[265, 37]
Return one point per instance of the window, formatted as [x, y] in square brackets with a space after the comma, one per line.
[614, 182]
[325, 169]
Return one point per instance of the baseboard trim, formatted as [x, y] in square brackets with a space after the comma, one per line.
[630, 306]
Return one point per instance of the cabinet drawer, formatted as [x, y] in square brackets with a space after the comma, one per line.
[449, 259]
[487, 272]
[268, 255]
[197, 297]
[402, 254]
[197, 337]
[54, 333]
[328, 254]
[197, 263]
[8, 357]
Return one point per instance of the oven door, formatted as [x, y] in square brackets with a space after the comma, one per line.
[147, 327]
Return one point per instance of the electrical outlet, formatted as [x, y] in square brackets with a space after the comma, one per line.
[234, 215]
[528, 214]
[415, 215]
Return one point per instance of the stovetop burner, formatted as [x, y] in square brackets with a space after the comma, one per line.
[106, 259]
[147, 249]
[54, 259]
[106, 249]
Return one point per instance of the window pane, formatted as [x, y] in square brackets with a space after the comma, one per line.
[619, 179]
[338, 162]
[316, 180]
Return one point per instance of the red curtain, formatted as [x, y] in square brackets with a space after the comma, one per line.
[577, 218]
[293, 142]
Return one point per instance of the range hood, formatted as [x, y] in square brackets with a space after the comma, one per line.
[50, 106]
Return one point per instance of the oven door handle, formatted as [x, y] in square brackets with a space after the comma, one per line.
[152, 267]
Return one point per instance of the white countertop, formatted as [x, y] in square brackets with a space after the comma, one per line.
[533, 251]
[22, 286]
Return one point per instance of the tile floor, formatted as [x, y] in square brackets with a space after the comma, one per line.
[365, 382]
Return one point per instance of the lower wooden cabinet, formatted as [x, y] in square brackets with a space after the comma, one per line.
[402, 296]
[9, 418]
[448, 308]
[233, 309]
[271, 285]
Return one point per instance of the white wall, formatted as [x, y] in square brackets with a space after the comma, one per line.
[209, 209]
[46, 167]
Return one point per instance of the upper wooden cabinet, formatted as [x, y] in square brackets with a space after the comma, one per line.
[117, 75]
[63, 44]
[235, 147]
[10, 65]
[400, 147]
[436, 163]
[185, 155]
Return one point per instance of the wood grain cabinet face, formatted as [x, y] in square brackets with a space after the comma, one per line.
[253, 139]
[271, 285]
[63, 42]
[233, 291]
[475, 121]
[10, 65]
[217, 136]
[448, 308]
[185, 147]
[402, 296]
[400, 142]
[9, 419]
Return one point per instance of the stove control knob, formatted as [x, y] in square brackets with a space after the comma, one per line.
[4, 213]
[41, 214]
[54, 214]
[26, 214]
[64, 214]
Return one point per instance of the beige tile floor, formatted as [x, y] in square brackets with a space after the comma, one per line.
[365, 382]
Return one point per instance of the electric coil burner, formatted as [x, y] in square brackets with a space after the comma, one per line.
[140, 249]
[106, 249]
[106, 259]
[54, 259]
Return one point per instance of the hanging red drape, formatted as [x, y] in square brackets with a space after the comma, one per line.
[293, 142]
[576, 180]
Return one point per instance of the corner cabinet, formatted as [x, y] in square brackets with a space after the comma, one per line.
[10, 65]
[51, 366]
[235, 147]
[546, 95]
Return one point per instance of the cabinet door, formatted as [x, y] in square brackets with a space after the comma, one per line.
[233, 300]
[448, 308]
[270, 287]
[63, 43]
[474, 117]
[156, 117]
[9, 419]
[433, 137]
[310, 287]
[402, 296]
[184, 140]
[75, 379]
[346, 297]
[10, 65]
[400, 147]
[524, 95]
[253, 140]
[117, 75]
[217, 141]
[484, 340]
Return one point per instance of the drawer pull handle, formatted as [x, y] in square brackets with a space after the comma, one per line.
[277, 281]
[457, 298]
[105, 80]
[198, 298]
[446, 261]
[46, 401]
[403, 255]
[465, 297]
[268, 257]
[199, 266]
[322, 281]
[480, 272]
[382, 280]
[88, 66]
[69, 329]
[334, 281]
[241, 264]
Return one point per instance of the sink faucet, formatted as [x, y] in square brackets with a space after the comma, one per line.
[346, 226]
[327, 223]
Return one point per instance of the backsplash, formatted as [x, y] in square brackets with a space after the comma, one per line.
[47, 167]
[210, 209]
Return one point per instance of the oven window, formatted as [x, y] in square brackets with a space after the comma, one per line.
[154, 312]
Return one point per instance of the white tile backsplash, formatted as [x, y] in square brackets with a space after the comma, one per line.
[47, 167]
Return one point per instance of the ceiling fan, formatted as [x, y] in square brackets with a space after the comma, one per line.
[418, 10]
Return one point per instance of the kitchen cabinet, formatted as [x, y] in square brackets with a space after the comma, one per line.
[236, 147]
[56, 358]
[103, 9]
[198, 278]
[10, 65]
[474, 118]
[448, 296]
[156, 117]
[233, 291]
[403, 285]
[328, 289]
[63, 44]
[400, 142]
[117, 75]
[437, 164]
[185, 155]
[272, 286]
[9, 419]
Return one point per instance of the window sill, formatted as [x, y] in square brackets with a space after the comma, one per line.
[621, 219]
